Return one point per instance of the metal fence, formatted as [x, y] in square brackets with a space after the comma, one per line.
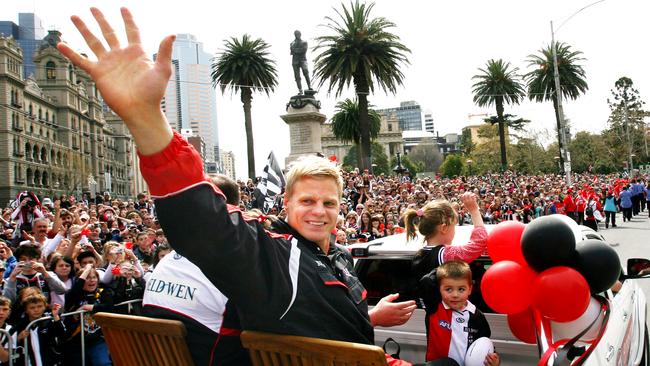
[13, 351]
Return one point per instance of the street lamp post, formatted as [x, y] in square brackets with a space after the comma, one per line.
[559, 167]
[564, 148]
[469, 166]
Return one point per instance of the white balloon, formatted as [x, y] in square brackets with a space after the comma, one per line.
[477, 352]
[577, 232]
[571, 329]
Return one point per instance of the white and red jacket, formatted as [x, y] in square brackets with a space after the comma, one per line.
[451, 332]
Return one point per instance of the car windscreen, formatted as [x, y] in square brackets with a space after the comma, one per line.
[385, 276]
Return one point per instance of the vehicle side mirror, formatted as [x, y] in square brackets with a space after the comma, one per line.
[638, 267]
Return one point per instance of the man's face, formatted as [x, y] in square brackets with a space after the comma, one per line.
[40, 228]
[313, 207]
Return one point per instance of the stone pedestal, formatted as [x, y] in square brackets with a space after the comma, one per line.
[304, 120]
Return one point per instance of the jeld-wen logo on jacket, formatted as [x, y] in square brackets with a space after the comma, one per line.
[177, 290]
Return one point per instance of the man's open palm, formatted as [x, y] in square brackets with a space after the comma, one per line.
[128, 80]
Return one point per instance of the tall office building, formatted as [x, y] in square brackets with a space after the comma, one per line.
[228, 163]
[428, 122]
[28, 33]
[190, 101]
[408, 113]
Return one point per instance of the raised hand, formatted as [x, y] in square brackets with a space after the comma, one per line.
[131, 84]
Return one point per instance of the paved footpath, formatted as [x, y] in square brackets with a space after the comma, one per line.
[631, 239]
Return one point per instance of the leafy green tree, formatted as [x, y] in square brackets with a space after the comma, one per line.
[625, 133]
[466, 143]
[244, 66]
[453, 165]
[379, 159]
[345, 124]
[498, 84]
[541, 82]
[590, 150]
[361, 50]
[427, 157]
[529, 157]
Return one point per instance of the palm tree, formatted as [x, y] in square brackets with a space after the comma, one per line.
[345, 124]
[498, 84]
[244, 66]
[541, 82]
[363, 51]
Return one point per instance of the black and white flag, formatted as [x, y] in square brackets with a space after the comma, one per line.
[270, 186]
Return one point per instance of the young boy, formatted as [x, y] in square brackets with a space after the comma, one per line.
[42, 345]
[5, 310]
[452, 321]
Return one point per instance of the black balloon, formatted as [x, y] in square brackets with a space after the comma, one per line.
[598, 263]
[548, 242]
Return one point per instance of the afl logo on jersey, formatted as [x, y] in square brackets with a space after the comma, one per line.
[460, 320]
[444, 324]
[177, 256]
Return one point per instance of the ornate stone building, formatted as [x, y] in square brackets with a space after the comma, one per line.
[389, 137]
[54, 137]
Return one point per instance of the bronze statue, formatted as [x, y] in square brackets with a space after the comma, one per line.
[299, 62]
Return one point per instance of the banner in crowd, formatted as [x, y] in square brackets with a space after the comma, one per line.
[270, 186]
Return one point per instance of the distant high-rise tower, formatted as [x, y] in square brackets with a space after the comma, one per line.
[190, 101]
[29, 32]
[408, 113]
[228, 163]
[428, 122]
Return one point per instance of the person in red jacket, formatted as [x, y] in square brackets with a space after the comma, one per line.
[580, 208]
[570, 205]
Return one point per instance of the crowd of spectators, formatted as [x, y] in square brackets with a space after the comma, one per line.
[90, 254]
[372, 206]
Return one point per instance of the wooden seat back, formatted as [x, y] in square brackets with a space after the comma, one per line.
[136, 340]
[284, 350]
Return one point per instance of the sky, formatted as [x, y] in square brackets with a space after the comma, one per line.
[449, 42]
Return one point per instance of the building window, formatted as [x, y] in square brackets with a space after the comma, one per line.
[70, 73]
[50, 70]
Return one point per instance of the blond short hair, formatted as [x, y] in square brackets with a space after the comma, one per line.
[313, 167]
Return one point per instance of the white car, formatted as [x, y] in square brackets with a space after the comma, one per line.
[384, 267]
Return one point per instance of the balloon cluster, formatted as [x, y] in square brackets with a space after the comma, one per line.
[546, 266]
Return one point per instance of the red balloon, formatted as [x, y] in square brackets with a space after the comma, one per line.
[504, 242]
[522, 325]
[561, 294]
[506, 287]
